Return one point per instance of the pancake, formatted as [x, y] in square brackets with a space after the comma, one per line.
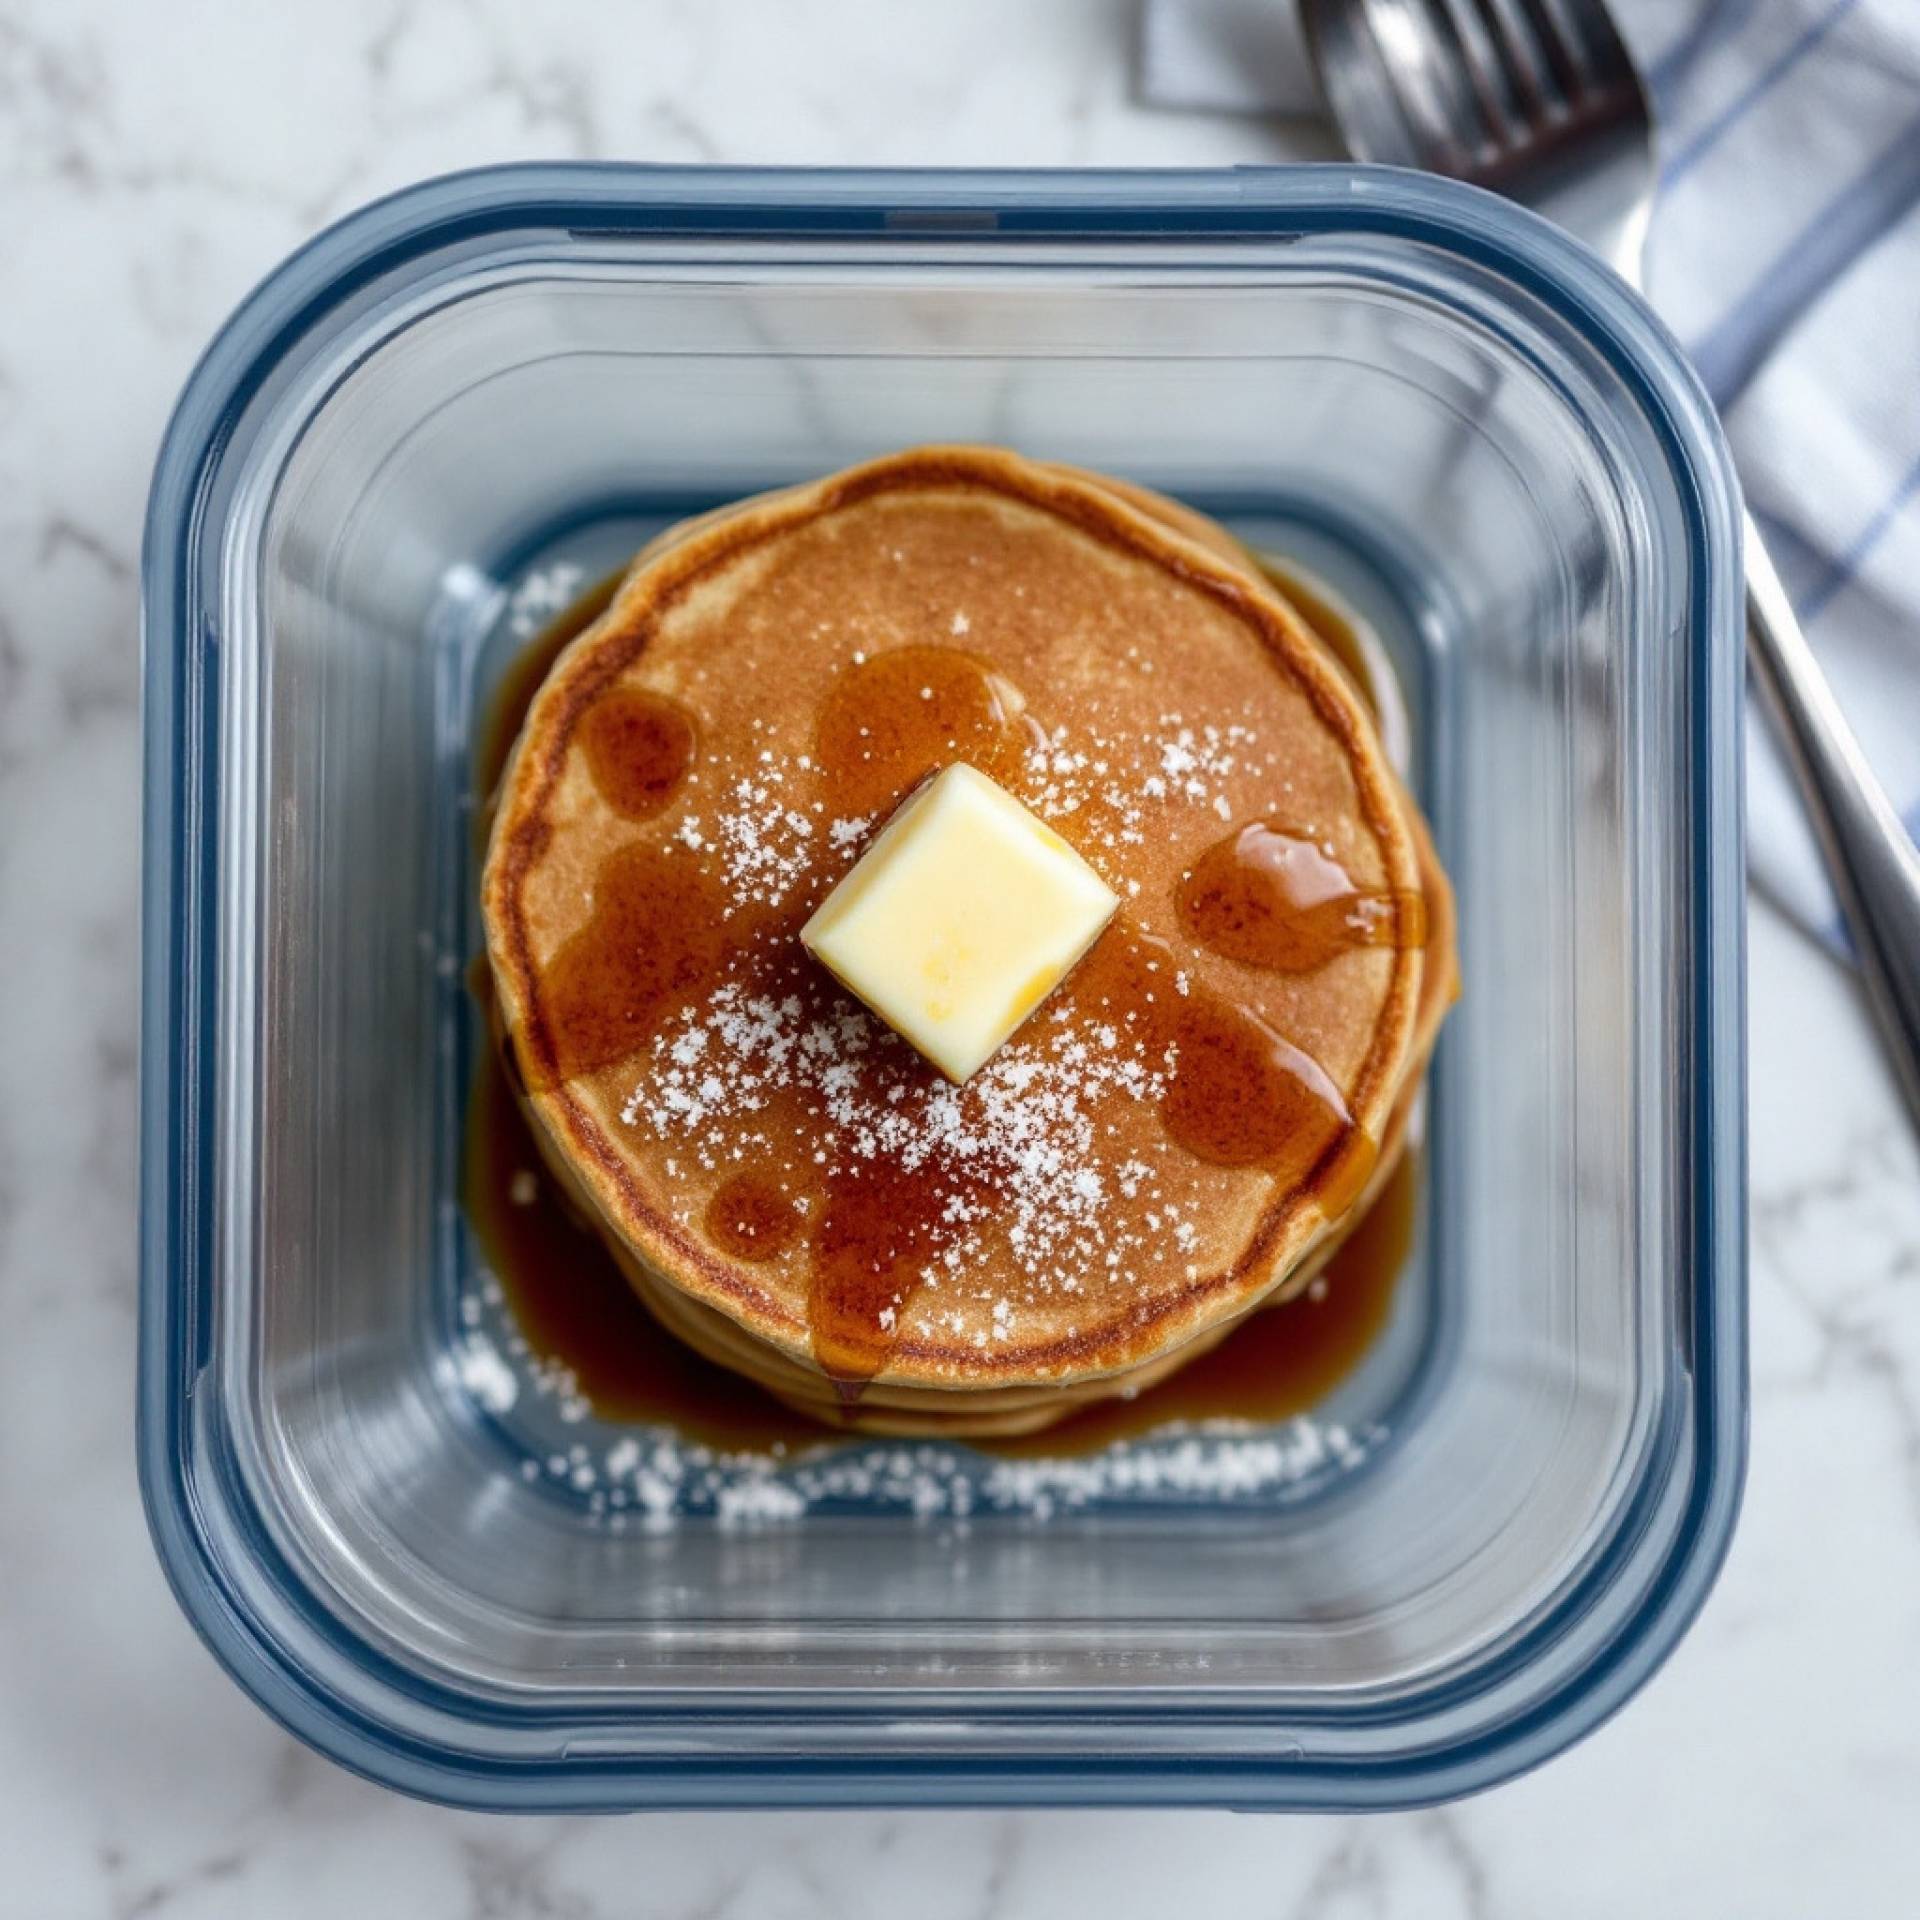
[1178, 1134]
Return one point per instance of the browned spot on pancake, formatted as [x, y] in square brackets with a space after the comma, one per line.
[655, 937]
[896, 717]
[752, 1217]
[639, 748]
[1243, 1095]
[1271, 898]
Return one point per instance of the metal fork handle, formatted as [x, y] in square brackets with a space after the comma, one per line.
[1872, 861]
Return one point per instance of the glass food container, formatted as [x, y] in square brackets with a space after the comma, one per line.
[1443, 405]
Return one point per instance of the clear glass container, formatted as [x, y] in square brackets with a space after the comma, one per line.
[1439, 401]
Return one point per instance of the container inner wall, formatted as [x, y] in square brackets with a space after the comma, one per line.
[1468, 445]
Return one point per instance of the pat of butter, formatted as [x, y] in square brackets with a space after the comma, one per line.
[959, 919]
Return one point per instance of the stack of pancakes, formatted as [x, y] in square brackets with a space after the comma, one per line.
[1180, 1134]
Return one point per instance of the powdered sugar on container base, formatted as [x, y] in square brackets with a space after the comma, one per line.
[658, 1482]
[639, 1478]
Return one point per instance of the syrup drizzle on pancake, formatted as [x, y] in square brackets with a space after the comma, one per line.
[1274, 899]
[639, 748]
[1238, 1094]
[893, 718]
[657, 936]
[586, 1326]
[752, 1216]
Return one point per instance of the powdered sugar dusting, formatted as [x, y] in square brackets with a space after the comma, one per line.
[1022, 1142]
[765, 844]
[1020, 1158]
[1115, 786]
[485, 1374]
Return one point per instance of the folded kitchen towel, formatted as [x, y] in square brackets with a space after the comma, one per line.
[1785, 253]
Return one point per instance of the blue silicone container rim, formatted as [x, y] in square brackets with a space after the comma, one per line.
[762, 1768]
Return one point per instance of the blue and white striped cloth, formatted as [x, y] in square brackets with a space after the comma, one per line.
[1785, 253]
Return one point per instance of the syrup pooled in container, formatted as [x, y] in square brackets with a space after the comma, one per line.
[577, 1311]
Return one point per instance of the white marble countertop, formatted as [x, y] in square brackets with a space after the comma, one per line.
[154, 161]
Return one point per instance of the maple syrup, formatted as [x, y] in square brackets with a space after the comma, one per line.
[657, 934]
[639, 748]
[893, 718]
[752, 1217]
[575, 1308]
[1276, 900]
[573, 1305]
[880, 1229]
[1281, 1360]
[1239, 1094]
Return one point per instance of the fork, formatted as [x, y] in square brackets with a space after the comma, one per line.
[1539, 100]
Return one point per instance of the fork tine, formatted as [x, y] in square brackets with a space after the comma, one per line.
[1537, 99]
[1577, 42]
[1361, 83]
[1553, 49]
[1594, 33]
[1432, 96]
[1517, 62]
[1456, 26]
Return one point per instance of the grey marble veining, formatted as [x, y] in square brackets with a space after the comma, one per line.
[153, 162]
